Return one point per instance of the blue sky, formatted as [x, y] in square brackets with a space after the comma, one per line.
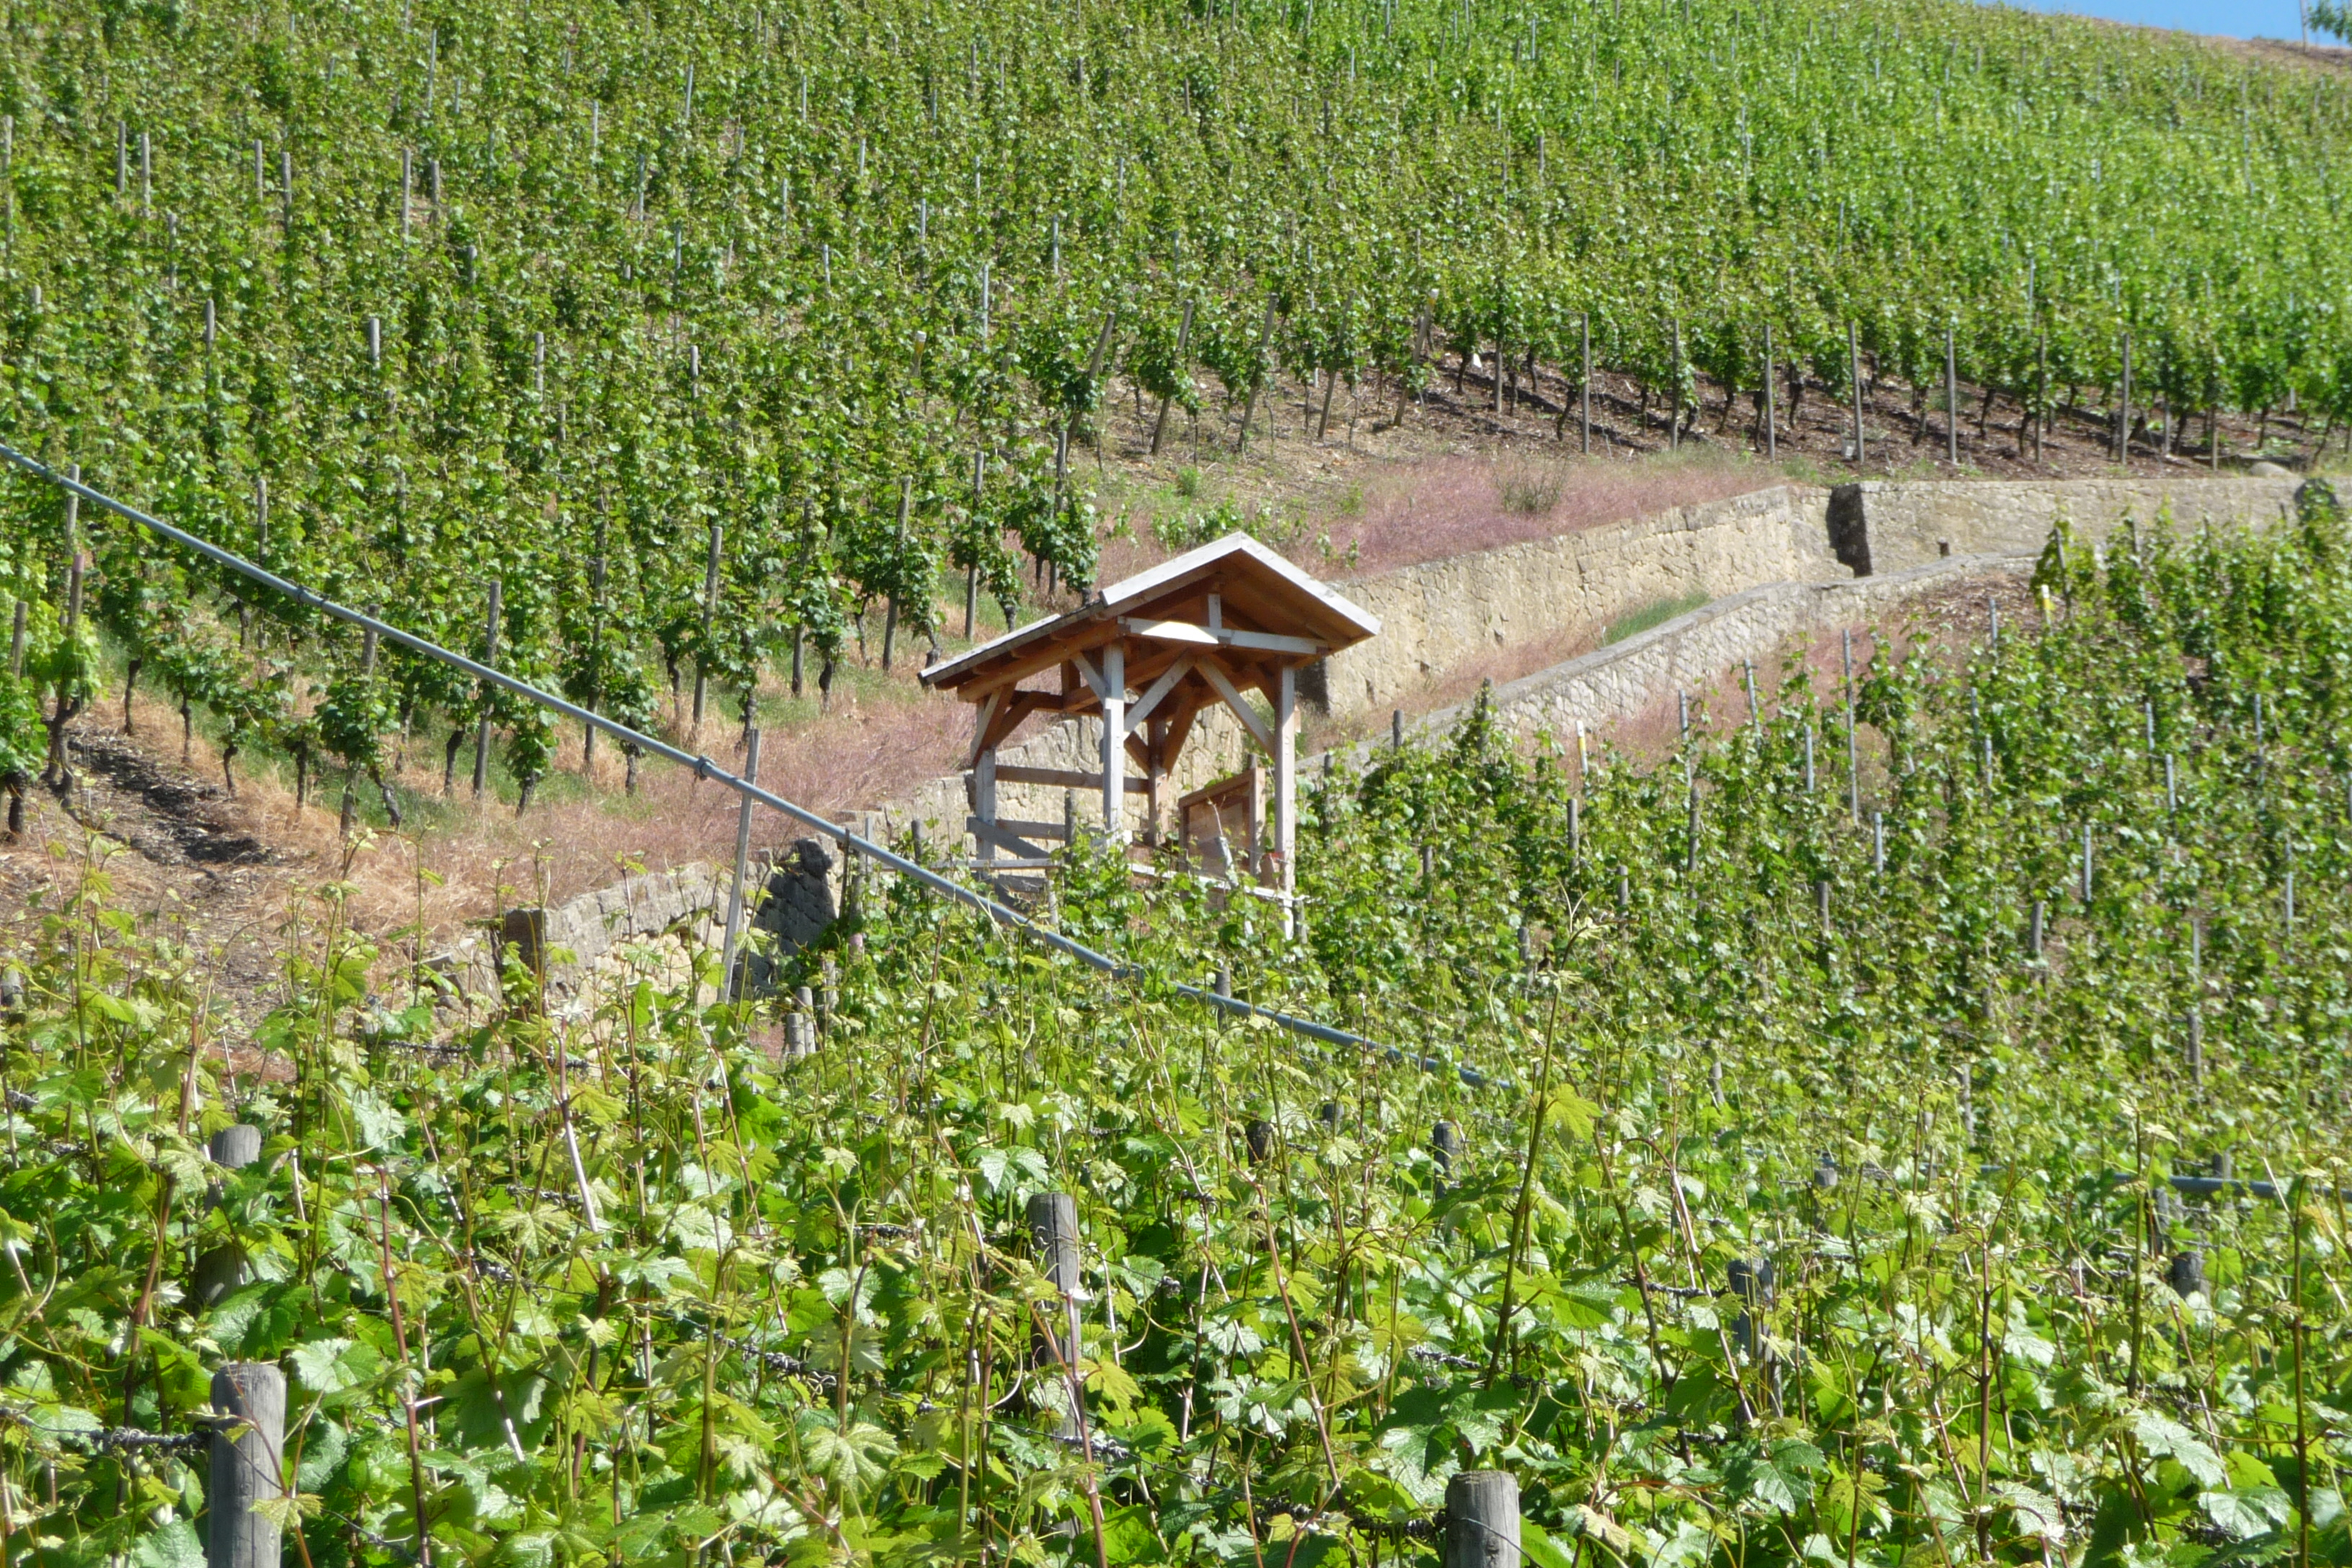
[2230, 18]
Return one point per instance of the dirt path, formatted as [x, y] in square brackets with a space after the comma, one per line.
[173, 851]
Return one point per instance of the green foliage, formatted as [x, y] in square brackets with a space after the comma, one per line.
[886, 252]
[790, 1305]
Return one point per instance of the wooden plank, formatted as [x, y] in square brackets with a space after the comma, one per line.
[1058, 831]
[1242, 710]
[1011, 707]
[1179, 727]
[980, 723]
[997, 839]
[1170, 631]
[1068, 778]
[1276, 642]
[1044, 657]
[1223, 637]
[1141, 710]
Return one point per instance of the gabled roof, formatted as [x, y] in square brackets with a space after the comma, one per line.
[1259, 592]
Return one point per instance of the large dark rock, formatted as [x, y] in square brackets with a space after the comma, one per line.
[795, 907]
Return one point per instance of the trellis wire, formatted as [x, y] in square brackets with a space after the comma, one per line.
[706, 769]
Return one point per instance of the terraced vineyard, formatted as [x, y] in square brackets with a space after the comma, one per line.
[399, 301]
[1766, 1160]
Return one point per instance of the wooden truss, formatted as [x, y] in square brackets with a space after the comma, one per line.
[1231, 624]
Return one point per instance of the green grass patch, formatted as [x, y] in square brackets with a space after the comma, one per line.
[1657, 612]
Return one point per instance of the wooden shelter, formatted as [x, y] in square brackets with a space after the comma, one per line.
[1148, 655]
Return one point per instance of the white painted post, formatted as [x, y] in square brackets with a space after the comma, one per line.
[1114, 741]
[1285, 787]
[984, 796]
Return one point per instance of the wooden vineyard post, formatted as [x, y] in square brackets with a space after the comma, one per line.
[1750, 1280]
[1054, 1234]
[1853, 740]
[1853, 371]
[1249, 405]
[2034, 929]
[1674, 372]
[1584, 330]
[1771, 414]
[1482, 1520]
[1821, 903]
[1445, 1144]
[971, 572]
[2123, 410]
[1690, 842]
[709, 607]
[482, 727]
[246, 1468]
[1951, 400]
[1054, 1243]
[1184, 339]
[221, 1269]
[2041, 392]
[727, 986]
[890, 615]
[351, 775]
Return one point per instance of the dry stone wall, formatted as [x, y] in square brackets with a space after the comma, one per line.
[1909, 524]
[1774, 564]
[1628, 678]
[1438, 615]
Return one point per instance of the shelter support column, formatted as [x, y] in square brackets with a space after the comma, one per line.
[983, 798]
[1155, 770]
[1114, 741]
[1286, 785]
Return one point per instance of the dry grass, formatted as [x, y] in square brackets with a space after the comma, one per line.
[1455, 506]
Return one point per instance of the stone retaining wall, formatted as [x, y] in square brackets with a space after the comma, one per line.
[799, 901]
[1616, 682]
[1907, 523]
[1440, 615]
